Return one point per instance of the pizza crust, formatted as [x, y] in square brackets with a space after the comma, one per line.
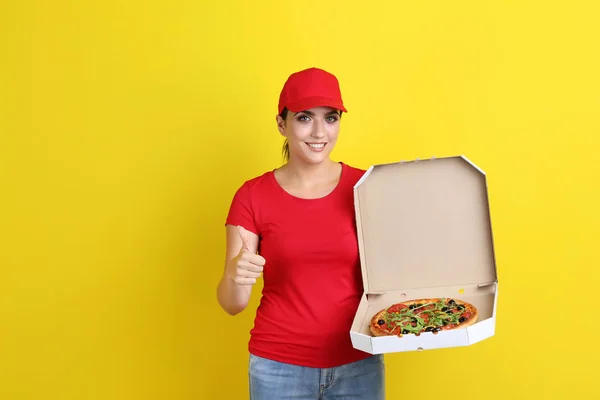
[374, 327]
[474, 314]
[472, 319]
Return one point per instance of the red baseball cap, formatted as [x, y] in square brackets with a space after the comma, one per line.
[312, 87]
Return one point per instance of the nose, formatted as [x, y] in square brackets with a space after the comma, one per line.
[318, 130]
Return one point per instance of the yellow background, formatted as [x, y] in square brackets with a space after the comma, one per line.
[126, 126]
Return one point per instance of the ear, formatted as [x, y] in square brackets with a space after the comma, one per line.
[280, 125]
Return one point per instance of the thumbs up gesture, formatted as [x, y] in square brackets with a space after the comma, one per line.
[247, 266]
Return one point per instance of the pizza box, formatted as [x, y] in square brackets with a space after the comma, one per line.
[424, 231]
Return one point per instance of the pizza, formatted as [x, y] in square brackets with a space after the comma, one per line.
[423, 315]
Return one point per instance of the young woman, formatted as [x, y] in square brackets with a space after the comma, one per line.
[295, 227]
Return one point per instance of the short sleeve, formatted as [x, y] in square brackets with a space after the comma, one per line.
[241, 211]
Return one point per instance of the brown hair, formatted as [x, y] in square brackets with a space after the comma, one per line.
[286, 146]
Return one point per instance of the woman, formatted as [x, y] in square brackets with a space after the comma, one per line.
[295, 226]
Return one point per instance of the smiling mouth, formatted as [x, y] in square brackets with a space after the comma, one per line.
[316, 146]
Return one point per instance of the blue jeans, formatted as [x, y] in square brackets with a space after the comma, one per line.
[360, 380]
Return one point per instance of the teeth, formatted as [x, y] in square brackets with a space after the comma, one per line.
[317, 146]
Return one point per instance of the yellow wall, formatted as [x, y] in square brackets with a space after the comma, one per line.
[125, 128]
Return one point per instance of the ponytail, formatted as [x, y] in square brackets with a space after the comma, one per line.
[286, 146]
[286, 151]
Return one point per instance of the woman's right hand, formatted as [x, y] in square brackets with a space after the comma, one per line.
[245, 268]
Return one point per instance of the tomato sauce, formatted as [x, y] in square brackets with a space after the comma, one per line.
[396, 307]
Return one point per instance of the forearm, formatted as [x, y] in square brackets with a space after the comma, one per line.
[232, 297]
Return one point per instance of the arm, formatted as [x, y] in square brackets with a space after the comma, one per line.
[242, 267]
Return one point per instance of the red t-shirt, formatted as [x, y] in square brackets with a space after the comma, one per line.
[312, 277]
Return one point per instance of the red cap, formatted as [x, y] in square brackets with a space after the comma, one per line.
[312, 87]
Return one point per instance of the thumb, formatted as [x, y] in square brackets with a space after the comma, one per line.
[245, 236]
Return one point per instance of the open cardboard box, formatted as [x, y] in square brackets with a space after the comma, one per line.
[424, 231]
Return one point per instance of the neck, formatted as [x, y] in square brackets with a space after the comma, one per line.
[307, 174]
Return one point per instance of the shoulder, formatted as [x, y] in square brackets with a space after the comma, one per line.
[249, 200]
[353, 174]
[256, 182]
[256, 188]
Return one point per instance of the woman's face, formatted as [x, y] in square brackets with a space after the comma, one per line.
[311, 134]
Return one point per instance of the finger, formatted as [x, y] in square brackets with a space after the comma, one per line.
[258, 260]
[245, 236]
[244, 281]
[249, 266]
[253, 258]
[245, 273]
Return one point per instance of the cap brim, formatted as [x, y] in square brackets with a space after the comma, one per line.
[305, 104]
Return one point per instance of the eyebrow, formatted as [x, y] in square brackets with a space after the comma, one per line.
[312, 114]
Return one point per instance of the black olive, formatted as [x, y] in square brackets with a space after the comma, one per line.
[451, 302]
[449, 312]
[411, 306]
[381, 322]
[404, 332]
[413, 319]
[429, 329]
[461, 307]
[445, 308]
[462, 319]
[434, 330]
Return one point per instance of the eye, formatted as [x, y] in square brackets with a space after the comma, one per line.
[332, 118]
[303, 118]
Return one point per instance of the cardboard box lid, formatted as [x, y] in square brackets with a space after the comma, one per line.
[424, 223]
